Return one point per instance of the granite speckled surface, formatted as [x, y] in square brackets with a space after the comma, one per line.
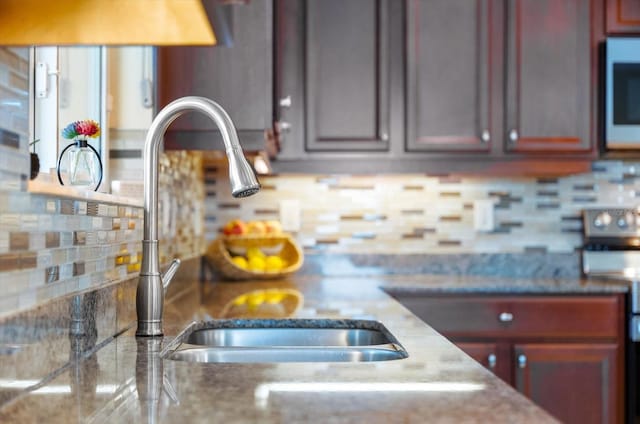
[124, 379]
[514, 265]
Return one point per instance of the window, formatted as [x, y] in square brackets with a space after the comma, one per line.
[70, 85]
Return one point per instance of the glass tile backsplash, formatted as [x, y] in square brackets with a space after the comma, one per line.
[14, 117]
[422, 214]
[51, 246]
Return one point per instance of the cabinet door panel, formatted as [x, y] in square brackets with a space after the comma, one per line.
[347, 90]
[577, 383]
[238, 77]
[623, 16]
[493, 356]
[548, 75]
[448, 71]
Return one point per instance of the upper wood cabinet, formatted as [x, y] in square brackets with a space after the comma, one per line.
[500, 76]
[449, 53]
[332, 75]
[347, 75]
[487, 86]
[239, 77]
[623, 16]
[548, 93]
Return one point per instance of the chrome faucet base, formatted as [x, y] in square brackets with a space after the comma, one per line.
[149, 304]
[149, 329]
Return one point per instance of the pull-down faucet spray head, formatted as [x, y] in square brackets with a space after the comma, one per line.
[242, 178]
[151, 287]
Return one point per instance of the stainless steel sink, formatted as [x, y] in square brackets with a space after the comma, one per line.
[245, 337]
[245, 341]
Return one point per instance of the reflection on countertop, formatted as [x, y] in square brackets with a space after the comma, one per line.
[124, 379]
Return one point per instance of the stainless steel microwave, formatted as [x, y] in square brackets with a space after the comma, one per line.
[622, 93]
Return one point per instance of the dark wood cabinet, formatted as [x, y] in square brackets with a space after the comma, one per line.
[564, 352]
[534, 54]
[492, 355]
[488, 86]
[347, 75]
[576, 383]
[333, 75]
[239, 77]
[623, 16]
[548, 93]
[449, 53]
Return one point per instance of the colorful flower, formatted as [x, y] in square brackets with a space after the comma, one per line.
[86, 128]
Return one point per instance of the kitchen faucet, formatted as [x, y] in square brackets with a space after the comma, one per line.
[152, 285]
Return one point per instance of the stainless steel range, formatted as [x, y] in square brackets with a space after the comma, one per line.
[612, 250]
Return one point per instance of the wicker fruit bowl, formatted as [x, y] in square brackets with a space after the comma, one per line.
[280, 249]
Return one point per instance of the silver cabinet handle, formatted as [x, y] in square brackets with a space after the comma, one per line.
[284, 126]
[492, 360]
[485, 136]
[522, 361]
[513, 136]
[285, 102]
[505, 317]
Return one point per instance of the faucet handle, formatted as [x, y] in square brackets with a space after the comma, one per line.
[168, 276]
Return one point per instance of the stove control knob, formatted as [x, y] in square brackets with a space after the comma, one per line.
[626, 220]
[602, 220]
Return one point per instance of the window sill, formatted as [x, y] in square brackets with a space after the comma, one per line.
[43, 185]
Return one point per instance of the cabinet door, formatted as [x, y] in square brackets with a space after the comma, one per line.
[238, 76]
[623, 16]
[493, 356]
[577, 383]
[448, 75]
[548, 93]
[346, 75]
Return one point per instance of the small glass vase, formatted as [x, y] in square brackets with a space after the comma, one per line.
[83, 167]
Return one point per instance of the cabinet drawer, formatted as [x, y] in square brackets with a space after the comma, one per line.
[514, 317]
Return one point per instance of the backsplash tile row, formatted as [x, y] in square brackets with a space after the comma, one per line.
[412, 214]
[51, 246]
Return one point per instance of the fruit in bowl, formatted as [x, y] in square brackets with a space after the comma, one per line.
[273, 227]
[256, 227]
[235, 227]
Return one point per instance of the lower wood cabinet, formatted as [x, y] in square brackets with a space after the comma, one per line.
[564, 352]
[575, 382]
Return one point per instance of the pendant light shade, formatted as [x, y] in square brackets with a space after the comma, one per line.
[104, 22]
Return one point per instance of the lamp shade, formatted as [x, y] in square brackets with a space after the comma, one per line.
[104, 22]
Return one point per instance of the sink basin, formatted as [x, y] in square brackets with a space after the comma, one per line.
[246, 341]
[246, 337]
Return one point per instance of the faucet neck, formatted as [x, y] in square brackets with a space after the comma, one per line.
[151, 158]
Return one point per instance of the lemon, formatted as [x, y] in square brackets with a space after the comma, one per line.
[254, 300]
[254, 252]
[274, 263]
[257, 264]
[240, 262]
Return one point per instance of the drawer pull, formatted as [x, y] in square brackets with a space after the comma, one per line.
[505, 317]
[492, 360]
[522, 361]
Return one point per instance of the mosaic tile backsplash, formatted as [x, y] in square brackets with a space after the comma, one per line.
[422, 214]
[14, 117]
[52, 246]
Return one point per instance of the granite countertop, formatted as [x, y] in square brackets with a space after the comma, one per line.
[126, 380]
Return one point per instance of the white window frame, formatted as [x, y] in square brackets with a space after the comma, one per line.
[46, 110]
